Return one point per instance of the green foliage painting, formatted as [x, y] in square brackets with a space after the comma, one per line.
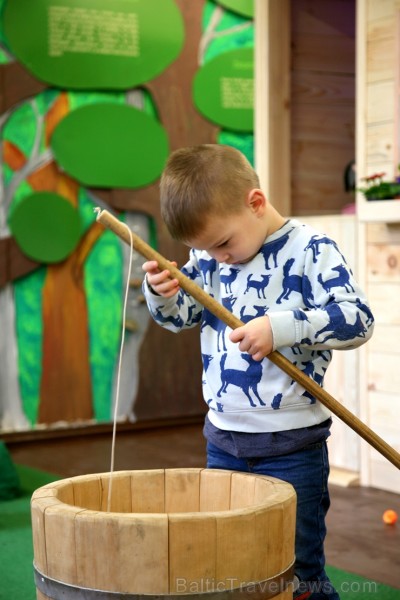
[103, 268]
[97, 126]
[94, 145]
[229, 31]
[107, 44]
[223, 89]
[46, 226]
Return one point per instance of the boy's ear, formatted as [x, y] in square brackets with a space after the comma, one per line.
[256, 200]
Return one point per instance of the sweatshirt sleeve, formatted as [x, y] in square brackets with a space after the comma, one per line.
[335, 313]
[181, 311]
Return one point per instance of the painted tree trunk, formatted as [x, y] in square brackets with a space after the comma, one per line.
[66, 390]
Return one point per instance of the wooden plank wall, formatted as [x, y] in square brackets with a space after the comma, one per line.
[379, 153]
[323, 142]
[383, 363]
[322, 103]
[381, 78]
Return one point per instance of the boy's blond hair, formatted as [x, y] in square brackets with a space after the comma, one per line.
[200, 182]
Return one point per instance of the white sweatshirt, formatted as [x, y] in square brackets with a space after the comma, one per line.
[302, 282]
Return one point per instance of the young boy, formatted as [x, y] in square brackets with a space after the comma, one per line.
[294, 292]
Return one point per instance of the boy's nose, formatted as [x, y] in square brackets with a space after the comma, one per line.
[220, 256]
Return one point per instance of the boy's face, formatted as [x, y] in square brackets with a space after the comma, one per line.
[236, 238]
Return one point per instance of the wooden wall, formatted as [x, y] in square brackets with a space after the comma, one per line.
[381, 77]
[324, 111]
[322, 103]
[378, 138]
[383, 351]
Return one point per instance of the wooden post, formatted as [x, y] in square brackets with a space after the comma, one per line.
[272, 100]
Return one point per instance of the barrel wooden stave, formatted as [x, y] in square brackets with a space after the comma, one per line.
[172, 531]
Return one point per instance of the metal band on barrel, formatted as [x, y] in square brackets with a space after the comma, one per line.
[259, 590]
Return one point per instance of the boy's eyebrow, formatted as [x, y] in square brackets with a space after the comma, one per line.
[221, 241]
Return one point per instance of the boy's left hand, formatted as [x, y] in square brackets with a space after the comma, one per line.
[255, 337]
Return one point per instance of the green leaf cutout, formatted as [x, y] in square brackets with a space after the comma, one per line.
[107, 44]
[110, 145]
[46, 226]
[223, 89]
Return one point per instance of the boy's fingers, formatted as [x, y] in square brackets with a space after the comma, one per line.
[167, 284]
[150, 265]
[236, 335]
[164, 276]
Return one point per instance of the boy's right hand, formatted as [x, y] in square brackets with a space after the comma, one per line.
[160, 281]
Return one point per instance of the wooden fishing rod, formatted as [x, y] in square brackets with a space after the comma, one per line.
[110, 222]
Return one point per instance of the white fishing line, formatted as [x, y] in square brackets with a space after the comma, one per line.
[116, 403]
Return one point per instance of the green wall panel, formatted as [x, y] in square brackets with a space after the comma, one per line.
[46, 226]
[110, 145]
[81, 44]
[223, 89]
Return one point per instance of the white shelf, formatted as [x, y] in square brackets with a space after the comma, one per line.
[382, 211]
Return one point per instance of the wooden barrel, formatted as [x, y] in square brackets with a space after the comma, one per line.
[173, 532]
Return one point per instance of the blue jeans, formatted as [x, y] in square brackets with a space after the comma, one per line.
[307, 470]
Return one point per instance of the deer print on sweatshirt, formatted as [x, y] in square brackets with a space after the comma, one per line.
[246, 380]
[158, 316]
[208, 266]
[300, 281]
[295, 283]
[339, 328]
[259, 286]
[210, 320]
[271, 250]
[260, 311]
[315, 244]
[341, 280]
[229, 278]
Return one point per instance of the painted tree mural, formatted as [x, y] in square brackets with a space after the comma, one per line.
[64, 318]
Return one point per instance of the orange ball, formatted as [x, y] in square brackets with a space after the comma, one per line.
[389, 517]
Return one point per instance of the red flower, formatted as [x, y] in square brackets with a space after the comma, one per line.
[373, 177]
